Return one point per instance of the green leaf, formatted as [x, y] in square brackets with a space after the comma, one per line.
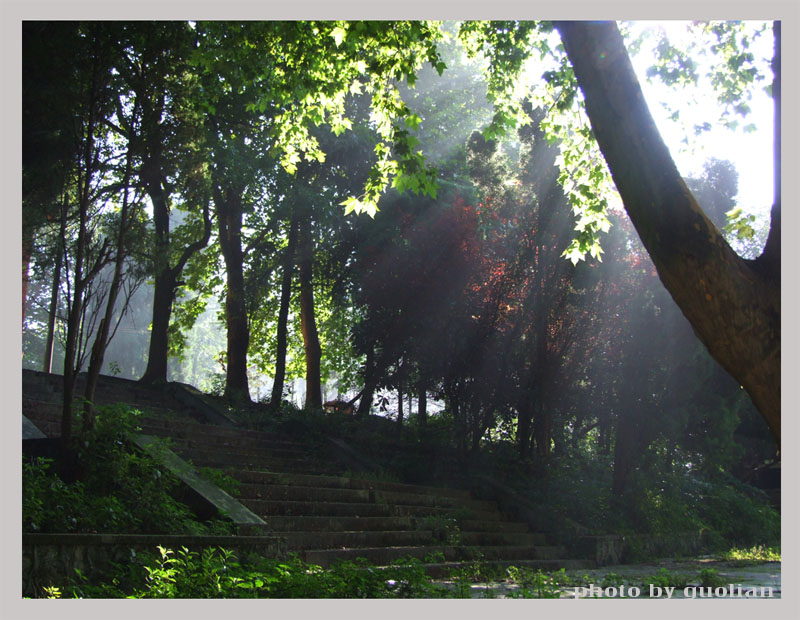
[413, 121]
[339, 34]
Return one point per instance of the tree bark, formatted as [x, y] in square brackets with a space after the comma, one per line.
[163, 298]
[524, 423]
[422, 404]
[543, 433]
[623, 457]
[283, 318]
[165, 275]
[84, 174]
[154, 179]
[229, 218]
[27, 248]
[47, 364]
[308, 322]
[365, 404]
[733, 304]
[400, 403]
[164, 286]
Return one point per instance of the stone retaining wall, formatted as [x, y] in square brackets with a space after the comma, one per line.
[51, 559]
[618, 549]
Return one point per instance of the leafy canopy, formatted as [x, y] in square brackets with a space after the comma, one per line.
[303, 73]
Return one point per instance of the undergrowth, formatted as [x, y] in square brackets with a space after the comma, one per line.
[119, 490]
[218, 573]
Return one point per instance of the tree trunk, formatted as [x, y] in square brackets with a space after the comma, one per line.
[365, 404]
[543, 433]
[400, 404]
[733, 304]
[623, 458]
[27, 248]
[84, 174]
[422, 405]
[165, 274]
[47, 365]
[70, 353]
[524, 423]
[164, 290]
[308, 322]
[283, 318]
[102, 339]
[165, 278]
[163, 297]
[229, 217]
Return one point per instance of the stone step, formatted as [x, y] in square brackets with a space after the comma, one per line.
[472, 525]
[266, 508]
[433, 499]
[256, 477]
[374, 555]
[298, 541]
[333, 494]
[225, 460]
[189, 426]
[446, 569]
[311, 508]
[488, 538]
[205, 450]
[523, 552]
[277, 523]
[389, 555]
[211, 441]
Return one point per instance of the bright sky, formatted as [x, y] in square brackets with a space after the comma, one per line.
[751, 153]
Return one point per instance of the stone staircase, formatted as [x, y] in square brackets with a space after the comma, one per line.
[319, 512]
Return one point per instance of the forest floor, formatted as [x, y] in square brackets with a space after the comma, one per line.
[701, 577]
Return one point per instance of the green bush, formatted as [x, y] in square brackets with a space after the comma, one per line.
[534, 584]
[755, 554]
[120, 490]
[222, 480]
[218, 573]
[710, 578]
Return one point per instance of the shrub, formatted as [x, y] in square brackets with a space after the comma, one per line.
[119, 490]
[218, 573]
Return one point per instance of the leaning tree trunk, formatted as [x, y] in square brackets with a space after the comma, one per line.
[283, 318]
[733, 304]
[308, 323]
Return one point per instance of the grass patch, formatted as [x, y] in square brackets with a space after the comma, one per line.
[751, 555]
